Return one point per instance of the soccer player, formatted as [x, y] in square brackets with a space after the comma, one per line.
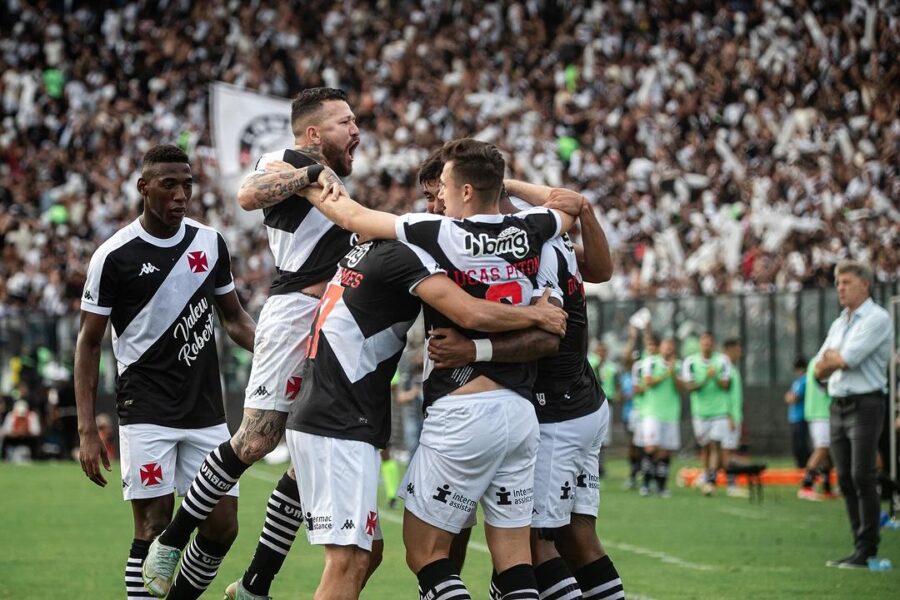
[307, 248]
[607, 372]
[817, 410]
[734, 351]
[342, 416]
[573, 415]
[158, 281]
[707, 376]
[638, 459]
[661, 423]
[462, 458]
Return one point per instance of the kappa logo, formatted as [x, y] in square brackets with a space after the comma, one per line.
[371, 522]
[260, 391]
[442, 493]
[87, 295]
[147, 269]
[511, 240]
[293, 387]
[410, 489]
[151, 474]
[348, 524]
[197, 261]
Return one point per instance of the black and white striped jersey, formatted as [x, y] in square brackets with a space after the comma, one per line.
[566, 387]
[494, 257]
[159, 295]
[357, 338]
[307, 246]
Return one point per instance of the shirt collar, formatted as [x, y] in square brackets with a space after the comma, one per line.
[864, 308]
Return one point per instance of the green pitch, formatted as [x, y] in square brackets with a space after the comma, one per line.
[62, 537]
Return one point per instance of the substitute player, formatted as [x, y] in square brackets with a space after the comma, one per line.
[817, 410]
[706, 375]
[159, 281]
[732, 442]
[307, 248]
[661, 425]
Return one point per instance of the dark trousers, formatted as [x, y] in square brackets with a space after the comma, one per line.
[800, 443]
[856, 423]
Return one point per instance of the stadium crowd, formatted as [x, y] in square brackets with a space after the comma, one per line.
[727, 148]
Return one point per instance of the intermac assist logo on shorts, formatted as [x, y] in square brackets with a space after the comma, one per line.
[511, 240]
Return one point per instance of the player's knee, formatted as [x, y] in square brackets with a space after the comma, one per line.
[251, 448]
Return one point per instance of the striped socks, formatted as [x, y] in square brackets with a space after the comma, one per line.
[199, 566]
[599, 580]
[555, 581]
[518, 583]
[440, 581]
[219, 473]
[283, 520]
[134, 582]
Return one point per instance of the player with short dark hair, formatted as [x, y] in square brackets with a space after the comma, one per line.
[707, 376]
[462, 459]
[159, 281]
[307, 248]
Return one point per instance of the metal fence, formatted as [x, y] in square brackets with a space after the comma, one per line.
[774, 328]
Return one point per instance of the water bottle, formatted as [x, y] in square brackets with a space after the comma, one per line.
[879, 564]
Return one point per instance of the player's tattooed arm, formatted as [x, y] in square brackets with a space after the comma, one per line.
[259, 433]
[262, 190]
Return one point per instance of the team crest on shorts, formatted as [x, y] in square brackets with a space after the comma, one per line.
[151, 474]
[371, 521]
[293, 387]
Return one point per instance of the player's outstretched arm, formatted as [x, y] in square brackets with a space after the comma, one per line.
[345, 212]
[594, 259]
[281, 180]
[439, 292]
[238, 324]
[532, 193]
[87, 367]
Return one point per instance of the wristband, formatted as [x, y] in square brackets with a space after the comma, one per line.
[484, 350]
[313, 172]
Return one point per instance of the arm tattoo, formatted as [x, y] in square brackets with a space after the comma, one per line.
[269, 189]
[260, 432]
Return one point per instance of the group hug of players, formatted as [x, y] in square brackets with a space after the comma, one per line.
[514, 416]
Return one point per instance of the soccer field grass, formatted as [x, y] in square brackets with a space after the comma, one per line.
[62, 537]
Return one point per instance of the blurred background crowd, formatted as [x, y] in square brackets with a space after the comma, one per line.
[728, 147]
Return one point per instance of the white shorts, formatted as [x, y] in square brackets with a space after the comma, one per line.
[661, 434]
[637, 429]
[732, 439]
[158, 460]
[587, 484]
[279, 351]
[713, 429]
[338, 483]
[820, 432]
[474, 447]
[565, 449]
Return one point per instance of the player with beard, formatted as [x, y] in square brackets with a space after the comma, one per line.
[307, 248]
[159, 281]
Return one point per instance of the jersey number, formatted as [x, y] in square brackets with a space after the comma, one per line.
[507, 293]
[332, 294]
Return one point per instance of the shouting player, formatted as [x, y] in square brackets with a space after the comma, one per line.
[307, 248]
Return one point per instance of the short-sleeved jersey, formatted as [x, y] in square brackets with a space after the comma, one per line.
[709, 400]
[494, 257]
[357, 338]
[566, 387]
[159, 295]
[816, 401]
[608, 375]
[306, 245]
[663, 400]
[637, 385]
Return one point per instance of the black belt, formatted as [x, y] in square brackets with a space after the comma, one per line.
[854, 397]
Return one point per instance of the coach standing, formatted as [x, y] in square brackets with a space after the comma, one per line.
[854, 361]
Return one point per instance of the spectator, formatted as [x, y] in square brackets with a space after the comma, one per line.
[21, 429]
